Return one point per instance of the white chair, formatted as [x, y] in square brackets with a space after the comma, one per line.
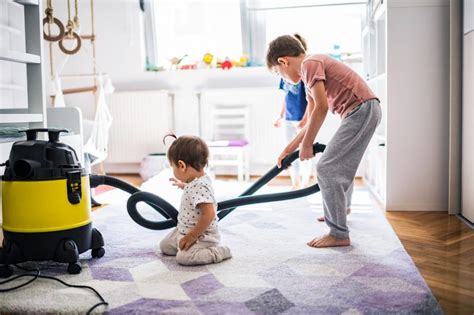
[229, 138]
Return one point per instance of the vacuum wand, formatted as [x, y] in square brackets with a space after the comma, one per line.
[224, 207]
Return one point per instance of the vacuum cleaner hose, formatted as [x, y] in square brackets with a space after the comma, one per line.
[224, 207]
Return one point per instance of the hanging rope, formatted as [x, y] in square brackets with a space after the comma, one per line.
[50, 19]
[76, 16]
[70, 34]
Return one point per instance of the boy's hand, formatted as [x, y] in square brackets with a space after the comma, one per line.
[289, 148]
[277, 123]
[187, 241]
[281, 157]
[306, 152]
[302, 123]
[177, 183]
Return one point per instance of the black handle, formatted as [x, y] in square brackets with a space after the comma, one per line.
[53, 133]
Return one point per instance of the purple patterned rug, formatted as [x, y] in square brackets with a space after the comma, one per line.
[272, 270]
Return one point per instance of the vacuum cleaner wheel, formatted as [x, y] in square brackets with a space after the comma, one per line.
[74, 268]
[98, 252]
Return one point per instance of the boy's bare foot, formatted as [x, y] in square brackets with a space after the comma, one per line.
[328, 241]
[322, 218]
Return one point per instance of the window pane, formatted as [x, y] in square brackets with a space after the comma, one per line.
[322, 27]
[196, 27]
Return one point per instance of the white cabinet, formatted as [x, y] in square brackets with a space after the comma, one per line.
[411, 67]
[467, 203]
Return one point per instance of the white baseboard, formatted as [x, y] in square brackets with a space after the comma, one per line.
[122, 168]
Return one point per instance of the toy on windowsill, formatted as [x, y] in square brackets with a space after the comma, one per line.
[175, 61]
[226, 64]
[218, 62]
[152, 67]
[244, 60]
[188, 67]
[207, 59]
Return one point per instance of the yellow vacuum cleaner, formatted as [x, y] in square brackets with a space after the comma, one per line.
[46, 205]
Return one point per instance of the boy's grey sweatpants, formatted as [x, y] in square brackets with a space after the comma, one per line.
[201, 253]
[338, 164]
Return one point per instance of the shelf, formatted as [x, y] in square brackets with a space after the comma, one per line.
[11, 29]
[20, 118]
[15, 87]
[27, 2]
[19, 57]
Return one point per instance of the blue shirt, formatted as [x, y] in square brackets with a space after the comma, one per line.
[295, 100]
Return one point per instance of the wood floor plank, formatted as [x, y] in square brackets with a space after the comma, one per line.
[442, 248]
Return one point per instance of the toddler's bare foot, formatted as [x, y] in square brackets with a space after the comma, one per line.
[322, 218]
[329, 241]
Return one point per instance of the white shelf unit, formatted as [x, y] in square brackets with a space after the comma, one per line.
[406, 64]
[20, 57]
[21, 84]
[22, 100]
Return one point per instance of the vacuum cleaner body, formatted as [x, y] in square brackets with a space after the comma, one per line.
[46, 204]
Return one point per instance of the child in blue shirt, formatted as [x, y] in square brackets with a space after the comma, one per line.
[293, 115]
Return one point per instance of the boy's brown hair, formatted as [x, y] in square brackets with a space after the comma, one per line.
[191, 150]
[284, 46]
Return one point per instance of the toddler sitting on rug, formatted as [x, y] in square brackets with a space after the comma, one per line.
[196, 239]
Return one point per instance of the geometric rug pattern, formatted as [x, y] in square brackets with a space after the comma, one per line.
[272, 270]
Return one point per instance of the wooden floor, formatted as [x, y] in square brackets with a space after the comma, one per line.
[442, 248]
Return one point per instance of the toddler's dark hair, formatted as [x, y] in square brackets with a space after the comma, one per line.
[285, 45]
[190, 149]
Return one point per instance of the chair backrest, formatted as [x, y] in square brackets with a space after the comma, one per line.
[230, 122]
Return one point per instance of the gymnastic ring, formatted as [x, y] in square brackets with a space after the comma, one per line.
[61, 30]
[73, 51]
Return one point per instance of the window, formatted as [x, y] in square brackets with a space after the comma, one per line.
[193, 28]
[232, 28]
[322, 27]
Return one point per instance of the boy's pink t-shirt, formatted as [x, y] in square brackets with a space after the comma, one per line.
[345, 89]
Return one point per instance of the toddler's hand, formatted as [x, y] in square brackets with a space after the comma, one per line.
[187, 241]
[177, 183]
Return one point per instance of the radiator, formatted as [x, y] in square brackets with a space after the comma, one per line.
[140, 120]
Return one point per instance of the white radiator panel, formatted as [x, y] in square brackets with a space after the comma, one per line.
[140, 120]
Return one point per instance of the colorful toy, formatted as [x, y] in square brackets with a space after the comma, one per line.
[175, 61]
[188, 67]
[244, 59]
[208, 58]
[226, 64]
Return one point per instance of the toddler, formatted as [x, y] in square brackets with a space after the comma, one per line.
[196, 239]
